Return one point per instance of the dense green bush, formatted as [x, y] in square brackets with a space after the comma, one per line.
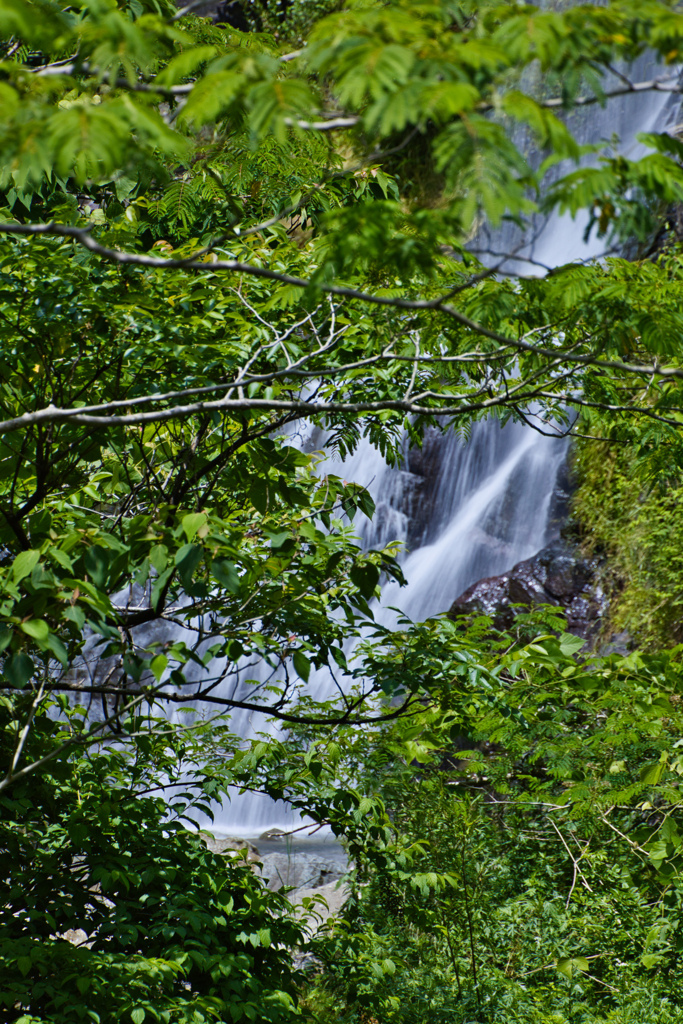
[499, 940]
[205, 236]
[112, 910]
[636, 522]
[537, 874]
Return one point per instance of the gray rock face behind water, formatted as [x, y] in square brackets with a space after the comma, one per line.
[301, 870]
[557, 575]
[297, 865]
[313, 873]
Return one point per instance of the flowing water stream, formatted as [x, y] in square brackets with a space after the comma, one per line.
[466, 510]
[481, 506]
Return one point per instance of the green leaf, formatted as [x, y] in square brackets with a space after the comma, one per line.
[211, 97]
[9, 100]
[575, 963]
[302, 664]
[158, 557]
[651, 774]
[366, 503]
[184, 64]
[571, 644]
[75, 614]
[278, 539]
[54, 644]
[18, 669]
[159, 585]
[365, 577]
[97, 561]
[6, 635]
[193, 522]
[138, 1015]
[24, 963]
[158, 666]
[339, 657]
[24, 564]
[235, 650]
[61, 558]
[259, 494]
[187, 559]
[38, 629]
[226, 574]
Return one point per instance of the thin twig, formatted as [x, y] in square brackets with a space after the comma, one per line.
[25, 731]
[575, 862]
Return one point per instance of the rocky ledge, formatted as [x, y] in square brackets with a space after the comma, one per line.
[557, 575]
[306, 872]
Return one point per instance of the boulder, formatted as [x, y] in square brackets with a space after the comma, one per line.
[231, 845]
[294, 866]
[274, 835]
[301, 870]
[334, 894]
[557, 575]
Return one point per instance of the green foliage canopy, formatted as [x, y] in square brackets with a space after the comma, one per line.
[205, 236]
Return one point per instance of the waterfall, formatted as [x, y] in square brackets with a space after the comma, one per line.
[463, 510]
[561, 238]
[466, 509]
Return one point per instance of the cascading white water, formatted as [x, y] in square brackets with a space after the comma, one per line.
[487, 508]
[491, 511]
[463, 510]
[562, 238]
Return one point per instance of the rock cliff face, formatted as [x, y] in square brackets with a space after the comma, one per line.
[557, 575]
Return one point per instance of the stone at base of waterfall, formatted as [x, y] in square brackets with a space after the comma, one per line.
[557, 575]
[292, 867]
[318, 913]
[76, 936]
[231, 845]
[618, 643]
[301, 870]
[274, 835]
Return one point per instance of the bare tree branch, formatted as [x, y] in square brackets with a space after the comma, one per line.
[336, 120]
[230, 703]
[24, 732]
[490, 395]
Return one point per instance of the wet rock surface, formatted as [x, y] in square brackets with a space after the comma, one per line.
[560, 501]
[314, 874]
[557, 575]
[301, 870]
[230, 845]
[273, 835]
[423, 471]
[309, 868]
